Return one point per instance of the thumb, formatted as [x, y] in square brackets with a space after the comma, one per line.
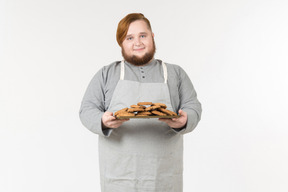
[182, 113]
[108, 113]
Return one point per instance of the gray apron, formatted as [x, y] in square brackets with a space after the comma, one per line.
[142, 155]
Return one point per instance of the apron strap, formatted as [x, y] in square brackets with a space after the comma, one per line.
[122, 72]
[165, 72]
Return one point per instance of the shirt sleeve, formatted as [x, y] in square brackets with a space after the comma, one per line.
[93, 107]
[188, 102]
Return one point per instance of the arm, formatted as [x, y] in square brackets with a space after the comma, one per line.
[92, 106]
[189, 106]
[189, 102]
[93, 114]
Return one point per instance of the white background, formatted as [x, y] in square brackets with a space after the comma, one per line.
[235, 52]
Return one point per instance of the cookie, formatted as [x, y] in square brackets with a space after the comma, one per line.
[162, 105]
[144, 103]
[137, 106]
[173, 113]
[125, 114]
[144, 113]
[152, 108]
[122, 110]
[158, 113]
[168, 112]
[135, 109]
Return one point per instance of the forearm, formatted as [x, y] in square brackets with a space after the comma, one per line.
[192, 120]
[91, 119]
[93, 107]
[189, 102]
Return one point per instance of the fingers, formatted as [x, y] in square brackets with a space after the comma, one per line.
[177, 122]
[110, 118]
[116, 123]
[110, 121]
[108, 113]
[165, 120]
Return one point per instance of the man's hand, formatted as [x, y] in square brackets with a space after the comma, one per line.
[109, 121]
[177, 123]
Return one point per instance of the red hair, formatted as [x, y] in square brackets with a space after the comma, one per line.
[124, 24]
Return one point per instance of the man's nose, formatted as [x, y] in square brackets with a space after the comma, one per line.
[137, 41]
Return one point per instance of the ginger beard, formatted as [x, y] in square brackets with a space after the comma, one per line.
[135, 60]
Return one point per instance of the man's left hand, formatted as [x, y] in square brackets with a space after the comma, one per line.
[176, 123]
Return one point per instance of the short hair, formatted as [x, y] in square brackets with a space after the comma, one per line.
[124, 24]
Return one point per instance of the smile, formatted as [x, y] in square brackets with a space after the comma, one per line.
[139, 49]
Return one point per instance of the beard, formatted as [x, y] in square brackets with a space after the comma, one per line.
[135, 60]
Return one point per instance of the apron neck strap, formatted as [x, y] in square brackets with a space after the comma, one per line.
[122, 72]
[165, 72]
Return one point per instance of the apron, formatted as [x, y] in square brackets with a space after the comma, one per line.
[142, 155]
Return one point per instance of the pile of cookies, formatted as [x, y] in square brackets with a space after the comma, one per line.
[143, 109]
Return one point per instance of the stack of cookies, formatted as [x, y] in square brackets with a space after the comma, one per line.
[143, 109]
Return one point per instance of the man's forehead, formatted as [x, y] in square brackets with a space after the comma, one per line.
[140, 33]
[139, 25]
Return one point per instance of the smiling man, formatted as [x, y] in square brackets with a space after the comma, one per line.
[143, 155]
[138, 47]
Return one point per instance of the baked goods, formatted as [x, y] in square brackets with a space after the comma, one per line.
[162, 105]
[125, 114]
[138, 109]
[146, 109]
[166, 111]
[120, 111]
[144, 113]
[137, 106]
[155, 112]
[144, 103]
[152, 108]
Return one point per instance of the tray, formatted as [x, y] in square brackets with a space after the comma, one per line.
[147, 117]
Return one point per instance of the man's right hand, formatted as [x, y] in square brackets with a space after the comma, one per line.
[109, 121]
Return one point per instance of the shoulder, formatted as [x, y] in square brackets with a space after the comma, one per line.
[174, 68]
[111, 67]
[107, 71]
[177, 73]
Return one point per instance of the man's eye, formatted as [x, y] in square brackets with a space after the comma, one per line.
[143, 36]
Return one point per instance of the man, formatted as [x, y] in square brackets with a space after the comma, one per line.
[143, 155]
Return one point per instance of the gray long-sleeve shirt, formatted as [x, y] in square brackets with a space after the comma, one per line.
[100, 90]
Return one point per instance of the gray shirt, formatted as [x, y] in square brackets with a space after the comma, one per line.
[100, 90]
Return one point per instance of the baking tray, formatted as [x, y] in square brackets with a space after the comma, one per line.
[147, 117]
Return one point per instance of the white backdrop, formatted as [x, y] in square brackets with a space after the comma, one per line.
[235, 52]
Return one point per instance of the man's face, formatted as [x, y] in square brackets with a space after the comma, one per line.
[138, 47]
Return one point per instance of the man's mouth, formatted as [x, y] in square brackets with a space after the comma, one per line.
[139, 49]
